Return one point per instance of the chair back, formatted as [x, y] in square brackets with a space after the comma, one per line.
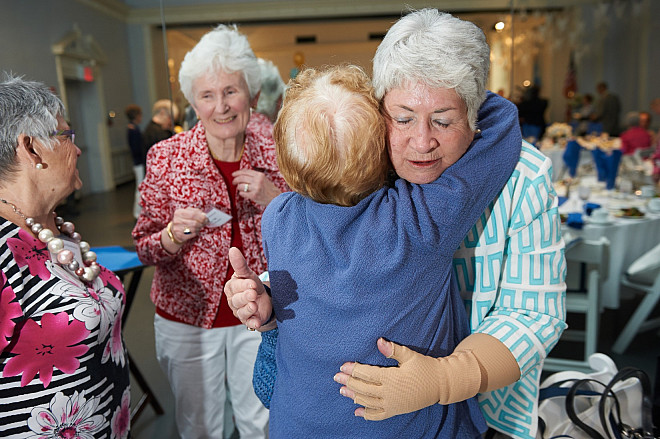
[646, 268]
[591, 258]
[643, 275]
[593, 253]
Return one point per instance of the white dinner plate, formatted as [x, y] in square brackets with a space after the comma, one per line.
[595, 222]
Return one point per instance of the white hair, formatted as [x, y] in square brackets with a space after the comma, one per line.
[436, 49]
[222, 49]
[272, 88]
[633, 119]
[26, 107]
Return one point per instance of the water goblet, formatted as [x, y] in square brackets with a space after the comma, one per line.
[584, 192]
[625, 187]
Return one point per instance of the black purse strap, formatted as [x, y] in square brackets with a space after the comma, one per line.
[558, 389]
[646, 403]
[570, 407]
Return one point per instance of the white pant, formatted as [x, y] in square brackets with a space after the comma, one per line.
[138, 170]
[197, 363]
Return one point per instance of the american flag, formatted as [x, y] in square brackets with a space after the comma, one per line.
[570, 83]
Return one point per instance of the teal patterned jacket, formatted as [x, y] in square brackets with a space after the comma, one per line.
[511, 270]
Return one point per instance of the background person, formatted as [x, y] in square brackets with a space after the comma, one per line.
[645, 120]
[161, 126]
[608, 109]
[63, 364]
[365, 242]
[272, 90]
[531, 110]
[225, 164]
[655, 156]
[136, 145]
[582, 116]
[635, 136]
[518, 237]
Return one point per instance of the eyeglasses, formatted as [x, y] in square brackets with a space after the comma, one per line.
[68, 133]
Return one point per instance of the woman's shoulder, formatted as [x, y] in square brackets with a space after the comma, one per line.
[182, 145]
[285, 200]
[7, 230]
[259, 124]
[259, 132]
[533, 162]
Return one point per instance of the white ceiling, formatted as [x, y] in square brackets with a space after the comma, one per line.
[214, 11]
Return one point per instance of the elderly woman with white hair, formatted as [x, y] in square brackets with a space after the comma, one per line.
[205, 191]
[635, 137]
[343, 246]
[509, 268]
[272, 90]
[63, 364]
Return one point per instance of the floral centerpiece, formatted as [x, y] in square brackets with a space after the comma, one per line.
[559, 131]
[602, 141]
[556, 135]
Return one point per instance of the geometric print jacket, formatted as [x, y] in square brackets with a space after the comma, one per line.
[511, 270]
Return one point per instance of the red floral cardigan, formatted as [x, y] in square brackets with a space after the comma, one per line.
[180, 173]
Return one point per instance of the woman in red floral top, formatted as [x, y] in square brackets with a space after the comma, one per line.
[204, 192]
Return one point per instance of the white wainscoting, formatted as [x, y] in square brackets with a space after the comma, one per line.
[122, 166]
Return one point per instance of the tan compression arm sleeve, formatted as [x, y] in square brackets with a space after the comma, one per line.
[498, 366]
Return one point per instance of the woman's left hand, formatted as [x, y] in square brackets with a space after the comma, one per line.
[418, 382]
[255, 186]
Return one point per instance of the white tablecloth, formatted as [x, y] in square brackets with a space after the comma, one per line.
[556, 156]
[629, 238]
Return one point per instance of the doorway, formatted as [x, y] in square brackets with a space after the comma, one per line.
[78, 95]
[77, 59]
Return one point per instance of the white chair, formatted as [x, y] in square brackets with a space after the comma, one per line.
[643, 275]
[593, 258]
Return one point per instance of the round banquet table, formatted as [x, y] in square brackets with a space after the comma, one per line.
[629, 237]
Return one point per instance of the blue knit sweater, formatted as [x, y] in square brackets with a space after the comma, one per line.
[343, 276]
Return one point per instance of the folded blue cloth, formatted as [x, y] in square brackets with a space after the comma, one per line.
[572, 157]
[574, 220]
[607, 165]
[612, 161]
[590, 207]
[561, 200]
[601, 165]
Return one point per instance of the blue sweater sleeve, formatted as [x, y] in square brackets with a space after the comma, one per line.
[447, 208]
[265, 367]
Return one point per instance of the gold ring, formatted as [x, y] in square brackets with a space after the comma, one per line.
[251, 329]
[246, 188]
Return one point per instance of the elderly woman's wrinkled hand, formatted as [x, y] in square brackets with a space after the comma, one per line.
[247, 296]
[254, 185]
[186, 223]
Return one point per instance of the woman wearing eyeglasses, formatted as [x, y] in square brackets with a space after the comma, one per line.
[63, 365]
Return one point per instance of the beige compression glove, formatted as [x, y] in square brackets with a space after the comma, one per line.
[420, 381]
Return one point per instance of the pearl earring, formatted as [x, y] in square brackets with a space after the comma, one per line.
[39, 166]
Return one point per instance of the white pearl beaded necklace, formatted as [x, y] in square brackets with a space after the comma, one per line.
[64, 257]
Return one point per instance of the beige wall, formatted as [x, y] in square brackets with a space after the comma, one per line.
[336, 42]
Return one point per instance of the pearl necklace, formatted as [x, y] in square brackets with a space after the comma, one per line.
[64, 257]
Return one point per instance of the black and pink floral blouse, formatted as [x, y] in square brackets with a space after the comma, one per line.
[63, 364]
